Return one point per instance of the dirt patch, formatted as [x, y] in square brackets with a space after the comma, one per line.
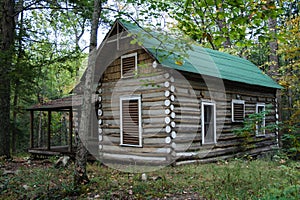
[23, 163]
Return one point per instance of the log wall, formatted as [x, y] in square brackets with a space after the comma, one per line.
[171, 115]
[149, 85]
[222, 93]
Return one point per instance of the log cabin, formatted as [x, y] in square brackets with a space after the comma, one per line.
[164, 100]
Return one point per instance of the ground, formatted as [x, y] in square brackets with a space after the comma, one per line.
[22, 178]
[16, 166]
[24, 163]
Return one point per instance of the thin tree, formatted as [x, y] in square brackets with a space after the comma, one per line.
[80, 174]
[7, 33]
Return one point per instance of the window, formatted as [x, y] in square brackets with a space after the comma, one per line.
[130, 121]
[128, 65]
[238, 110]
[208, 120]
[261, 123]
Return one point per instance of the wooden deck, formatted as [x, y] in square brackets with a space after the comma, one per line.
[43, 152]
[53, 151]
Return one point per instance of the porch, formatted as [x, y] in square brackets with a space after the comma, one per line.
[50, 142]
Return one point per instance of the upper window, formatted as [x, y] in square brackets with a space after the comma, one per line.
[208, 121]
[261, 123]
[130, 121]
[238, 110]
[128, 65]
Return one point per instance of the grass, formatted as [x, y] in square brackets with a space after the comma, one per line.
[236, 179]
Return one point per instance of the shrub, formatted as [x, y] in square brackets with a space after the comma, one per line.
[248, 131]
[291, 137]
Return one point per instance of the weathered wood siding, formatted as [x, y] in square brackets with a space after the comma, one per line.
[228, 144]
[112, 87]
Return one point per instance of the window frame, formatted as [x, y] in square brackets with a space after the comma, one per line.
[209, 103]
[135, 55]
[139, 116]
[237, 101]
[263, 122]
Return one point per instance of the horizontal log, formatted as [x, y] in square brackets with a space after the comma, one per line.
[156, 78]
[126, 156]
[153, 112]
[204, 161]
[152, 130]
[115, 118]
[154, 141]
[153, 95]
[155, 99]
[188, 99]
[187, 121]
[188, 146]
[186, 114]
[145, 151]
[146, 113]
[229, 143]
[205, 154]
[190, 127]
[184, 89]
[149, 145]
[186, 138]
[147, 133]
[153, 120]
[134, 166]
[227, 136]
[186, 105]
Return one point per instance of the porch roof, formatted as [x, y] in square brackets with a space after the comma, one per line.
[64, 103]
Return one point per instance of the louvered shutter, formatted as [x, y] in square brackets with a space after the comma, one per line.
[238, 111]
[128, 65]
[130, 122]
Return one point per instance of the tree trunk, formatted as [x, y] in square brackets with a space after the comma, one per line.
[40, 130]
[222, 24]
[15, 112]
[273, 44]
[64, 130]
[7, 31]
[80, 175]
[17, 82]
[274, 61]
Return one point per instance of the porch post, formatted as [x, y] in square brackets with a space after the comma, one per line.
[70, 129]
[31, 129]
[49, 130]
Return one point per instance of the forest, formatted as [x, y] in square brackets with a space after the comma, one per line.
[45, 45]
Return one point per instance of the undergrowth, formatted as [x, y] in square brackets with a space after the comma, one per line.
[235, 179]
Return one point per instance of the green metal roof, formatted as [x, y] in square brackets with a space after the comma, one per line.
[198, 59]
